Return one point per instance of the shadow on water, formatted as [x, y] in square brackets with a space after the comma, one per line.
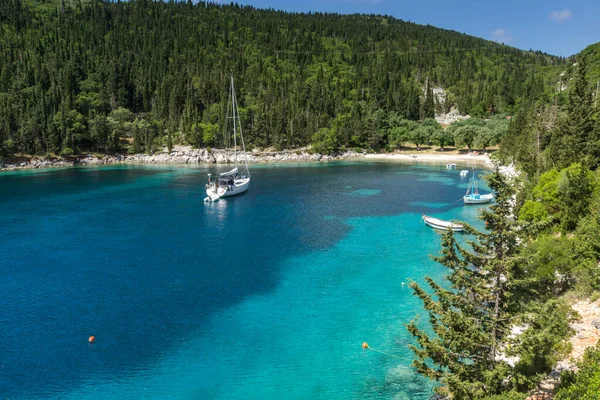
[133, 256]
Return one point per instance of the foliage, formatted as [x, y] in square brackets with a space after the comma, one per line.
[547, 268]
[542, 344]
[584, 385]
[442, 138]
[576, 139]
[87, 74]
[587, 237]
[512, 395]
[546, 190]
[576, 190]
[400, 132]
[469, 319]
[533, 211]
[325, 141]
[66, 151]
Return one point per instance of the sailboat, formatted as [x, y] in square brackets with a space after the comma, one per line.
[233, 182]
[473, 197]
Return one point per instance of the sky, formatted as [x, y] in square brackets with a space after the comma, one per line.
[558, 27]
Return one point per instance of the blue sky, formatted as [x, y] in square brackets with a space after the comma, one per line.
[557, 27]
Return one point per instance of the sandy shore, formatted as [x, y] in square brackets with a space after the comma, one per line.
[432, 157]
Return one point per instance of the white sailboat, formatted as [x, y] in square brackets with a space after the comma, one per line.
[473, 197]
[232, 182]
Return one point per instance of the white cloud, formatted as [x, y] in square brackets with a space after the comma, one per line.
[501, 36]
[561, 15]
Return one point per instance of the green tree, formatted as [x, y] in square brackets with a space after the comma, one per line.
[428, 105]
[575, 193]
[546, 191]
[465, 135]
[571, 142]
[533, 211]
[209, 133]
[542, 344]
[469, 319]
[442, 137]
[119, 122]
[420, 135]
[325, 141]
[401, 131]
[547, 267]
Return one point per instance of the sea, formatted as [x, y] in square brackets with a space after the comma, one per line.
[266, 295]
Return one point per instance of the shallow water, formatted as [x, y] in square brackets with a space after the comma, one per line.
[266, 295]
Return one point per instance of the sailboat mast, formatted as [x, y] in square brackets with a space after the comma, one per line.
[233, 107]
[236, 117]
[242, 138]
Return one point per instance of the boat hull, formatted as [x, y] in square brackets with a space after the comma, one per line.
[239, 186]
[441, 224]
[478, 198]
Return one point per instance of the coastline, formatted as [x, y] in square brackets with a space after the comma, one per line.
[430, 157]
[188, 155]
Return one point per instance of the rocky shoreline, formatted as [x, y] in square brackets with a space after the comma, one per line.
[189, 155]
[178, 155]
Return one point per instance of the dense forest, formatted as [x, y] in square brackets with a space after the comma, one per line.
[106, 76]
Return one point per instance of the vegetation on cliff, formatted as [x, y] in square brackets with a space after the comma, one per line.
[500, 322]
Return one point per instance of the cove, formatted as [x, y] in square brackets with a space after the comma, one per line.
[267, 295]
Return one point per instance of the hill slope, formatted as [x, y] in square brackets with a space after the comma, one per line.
[592, 55]
[87, 76]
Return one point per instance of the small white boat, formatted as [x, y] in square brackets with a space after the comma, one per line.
[478, 198]
[450, 166]
[473, 197]
[441, 224]
[464, 173]
[234, 182]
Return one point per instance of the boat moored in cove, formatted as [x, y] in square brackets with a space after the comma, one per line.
[232, 182]
[473, 197]
[440, 224]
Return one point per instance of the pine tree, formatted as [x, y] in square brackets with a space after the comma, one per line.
[428, 106]
[469, 318]
[571, 142]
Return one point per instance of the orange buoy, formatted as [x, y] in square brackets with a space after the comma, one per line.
[365, 345]
[92, 340]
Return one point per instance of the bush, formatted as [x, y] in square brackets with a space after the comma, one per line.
[7, 147]
[326, 141]
[584, 385]
[533, 211]
[508, 396]
[576, 189]
[543, 343]
[548, 268]
[67, 151]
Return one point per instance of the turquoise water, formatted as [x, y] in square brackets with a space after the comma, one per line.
[266, 295]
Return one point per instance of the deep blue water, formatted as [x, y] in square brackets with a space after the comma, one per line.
[265, 295]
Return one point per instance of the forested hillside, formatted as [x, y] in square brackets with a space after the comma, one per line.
[507, 319]
[135, 76]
